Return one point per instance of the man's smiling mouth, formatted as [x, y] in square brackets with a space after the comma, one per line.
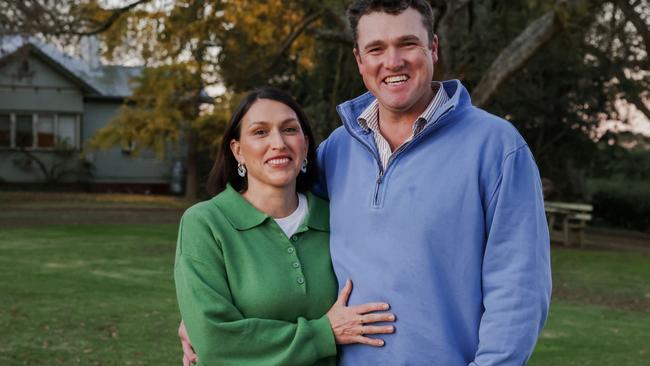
[395, 79]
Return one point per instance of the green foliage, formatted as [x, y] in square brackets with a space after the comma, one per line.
[157, 113]
[619, 163]
[622, 204]
[596, 58]
[560, 98]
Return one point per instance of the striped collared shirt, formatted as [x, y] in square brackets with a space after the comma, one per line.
[369, 120]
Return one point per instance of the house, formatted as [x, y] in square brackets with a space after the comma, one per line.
[51, 104]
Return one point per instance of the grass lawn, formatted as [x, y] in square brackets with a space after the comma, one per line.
[91, 295]
[600, 313]
[87, 280]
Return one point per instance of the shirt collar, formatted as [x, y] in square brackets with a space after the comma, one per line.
[243, 216]
[369, 118]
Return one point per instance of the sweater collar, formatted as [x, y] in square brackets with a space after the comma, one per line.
[352, 109]
[244, 216]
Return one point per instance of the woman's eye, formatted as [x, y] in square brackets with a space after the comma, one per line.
[290, 129]
[259, 132]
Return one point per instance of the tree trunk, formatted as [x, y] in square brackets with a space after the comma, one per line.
[191, 166]
[515, 56]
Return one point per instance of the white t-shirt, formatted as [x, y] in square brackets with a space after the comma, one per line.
[291, 223]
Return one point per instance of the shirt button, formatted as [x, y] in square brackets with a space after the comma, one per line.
[290, 250]
[294, 238]
[295, 264]
[300, 280]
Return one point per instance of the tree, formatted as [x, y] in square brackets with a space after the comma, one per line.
[511, 55]
[557, 99]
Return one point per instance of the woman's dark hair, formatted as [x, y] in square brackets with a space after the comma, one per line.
[224, 170]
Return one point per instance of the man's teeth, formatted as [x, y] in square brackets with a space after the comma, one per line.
[279, 161]
[395, 79]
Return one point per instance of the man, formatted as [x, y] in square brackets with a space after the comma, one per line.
[436, 206]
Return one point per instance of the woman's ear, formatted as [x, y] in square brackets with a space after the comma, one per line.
[235, 147]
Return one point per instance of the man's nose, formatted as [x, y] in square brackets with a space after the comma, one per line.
[393, 58]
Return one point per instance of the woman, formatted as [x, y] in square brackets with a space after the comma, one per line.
[253, 274]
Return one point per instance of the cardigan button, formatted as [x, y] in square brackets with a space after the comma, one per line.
[300, 280]
[294, 237]
[290, 250]
[295, 264]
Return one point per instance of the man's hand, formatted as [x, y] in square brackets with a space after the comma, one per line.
[189, 357]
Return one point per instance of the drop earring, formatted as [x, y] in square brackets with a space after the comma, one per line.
[241, 170]
[303, 168]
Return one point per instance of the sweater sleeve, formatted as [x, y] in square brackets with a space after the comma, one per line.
[320, 188]
[219, 333]
[516, 267]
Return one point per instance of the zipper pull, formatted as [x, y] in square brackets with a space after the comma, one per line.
[380, 176]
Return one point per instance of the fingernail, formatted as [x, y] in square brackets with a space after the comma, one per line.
[392, 318]
[386, 306]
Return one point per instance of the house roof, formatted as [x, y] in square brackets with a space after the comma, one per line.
[109, 81]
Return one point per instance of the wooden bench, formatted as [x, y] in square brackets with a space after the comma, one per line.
[568, 217]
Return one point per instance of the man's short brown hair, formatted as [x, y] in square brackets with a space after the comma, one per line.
[359, 8]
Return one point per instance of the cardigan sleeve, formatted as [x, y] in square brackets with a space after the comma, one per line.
[516, 266]
[219, 333]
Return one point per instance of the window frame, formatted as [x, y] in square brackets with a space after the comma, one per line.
[35, 116]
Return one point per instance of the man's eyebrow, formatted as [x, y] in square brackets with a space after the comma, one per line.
[374, 43]
[406, 38]
[409, 37]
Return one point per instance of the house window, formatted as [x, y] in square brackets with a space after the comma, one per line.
[44, 131]
[66, 135]
[24, 135]
[5, 130]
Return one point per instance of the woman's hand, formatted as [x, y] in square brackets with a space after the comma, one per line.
[189, 357]
[348, 322]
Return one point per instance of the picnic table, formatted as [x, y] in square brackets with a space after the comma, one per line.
[568, 217]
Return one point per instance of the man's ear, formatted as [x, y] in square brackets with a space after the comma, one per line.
[434, 48]
[357, 56]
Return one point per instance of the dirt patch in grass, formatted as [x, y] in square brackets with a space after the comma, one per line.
[638, 304]
[29, 209]
[84, 216]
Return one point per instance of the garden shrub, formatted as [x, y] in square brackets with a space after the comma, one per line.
[621, 204]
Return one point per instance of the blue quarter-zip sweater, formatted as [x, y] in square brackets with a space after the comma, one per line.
[452, 234]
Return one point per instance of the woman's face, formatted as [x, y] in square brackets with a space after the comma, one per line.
[271, 145]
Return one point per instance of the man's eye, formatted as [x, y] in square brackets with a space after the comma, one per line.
[374, 51]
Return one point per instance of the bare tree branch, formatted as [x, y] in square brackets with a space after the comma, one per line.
[300, 27]
[286, 44]
[32, 17]
[515, 56]
[334, 36]
[117, 13]
[639, 23]
[633, 98]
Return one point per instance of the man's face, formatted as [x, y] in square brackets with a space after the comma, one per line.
[396, 60]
